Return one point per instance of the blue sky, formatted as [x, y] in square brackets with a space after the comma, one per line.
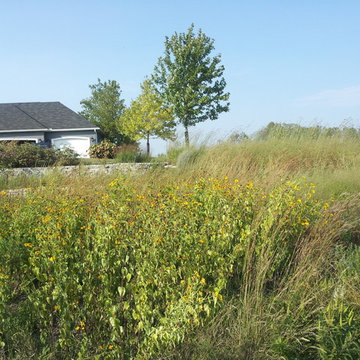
[285, 61]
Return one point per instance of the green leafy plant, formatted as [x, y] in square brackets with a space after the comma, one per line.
[131, 273]
[339, 332]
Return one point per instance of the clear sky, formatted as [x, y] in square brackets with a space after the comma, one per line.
[292, 61]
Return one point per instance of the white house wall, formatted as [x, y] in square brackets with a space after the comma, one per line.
[79, 141]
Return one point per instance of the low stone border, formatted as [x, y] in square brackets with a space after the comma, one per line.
[81, 169]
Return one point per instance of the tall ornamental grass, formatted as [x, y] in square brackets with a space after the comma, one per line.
[311, 311]
[332, 162]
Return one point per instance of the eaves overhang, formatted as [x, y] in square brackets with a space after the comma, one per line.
[47, 130]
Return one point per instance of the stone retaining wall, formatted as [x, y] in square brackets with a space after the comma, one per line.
[79, 169]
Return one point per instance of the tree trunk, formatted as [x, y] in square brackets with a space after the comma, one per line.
[148, 144]
[187, 143]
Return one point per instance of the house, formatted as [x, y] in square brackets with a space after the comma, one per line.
[49, 124]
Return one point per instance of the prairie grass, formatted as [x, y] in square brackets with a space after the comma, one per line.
[328, 157]
[246, 250]
[330, 162]
[310, 311]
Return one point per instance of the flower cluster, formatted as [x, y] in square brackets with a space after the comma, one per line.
[105, 149]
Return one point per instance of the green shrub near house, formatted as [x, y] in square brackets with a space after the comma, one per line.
[105, 150]
[14, 155]
[125, 153]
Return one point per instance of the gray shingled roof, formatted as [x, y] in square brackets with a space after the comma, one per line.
[40, 116]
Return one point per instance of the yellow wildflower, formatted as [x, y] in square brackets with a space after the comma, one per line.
[46, 219]
[114, 182]
[250, 185]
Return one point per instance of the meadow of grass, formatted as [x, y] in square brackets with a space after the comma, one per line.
[245, 250]
[328, 157]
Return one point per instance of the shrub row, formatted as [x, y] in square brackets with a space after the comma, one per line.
[14, 155]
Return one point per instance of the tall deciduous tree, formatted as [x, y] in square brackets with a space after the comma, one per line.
[190, 79]
[147, 116]
[104, 107]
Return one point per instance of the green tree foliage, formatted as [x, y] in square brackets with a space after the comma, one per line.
[190, 79]
[147, 116]
[103, 108]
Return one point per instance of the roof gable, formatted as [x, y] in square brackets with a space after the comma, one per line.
[13, 118]
[40, 116]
